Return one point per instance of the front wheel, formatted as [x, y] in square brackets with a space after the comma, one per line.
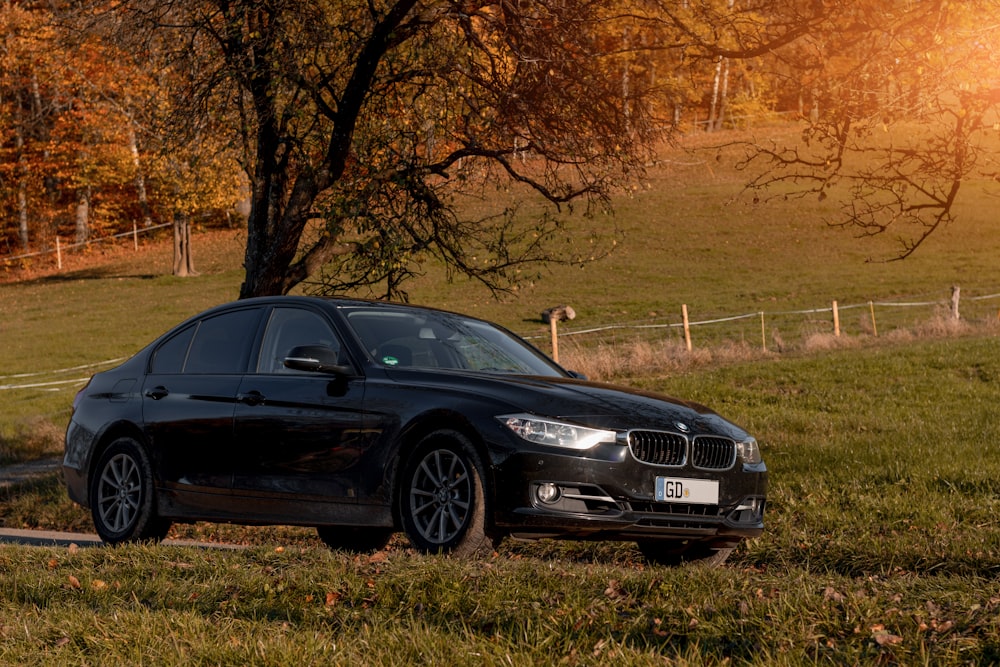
[442, 502]
[122, 501]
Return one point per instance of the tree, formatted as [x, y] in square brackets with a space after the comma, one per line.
[365, 125]
[903, 104]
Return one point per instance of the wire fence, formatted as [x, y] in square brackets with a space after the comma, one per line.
[59, 248]
[763, 328]
[767, 329]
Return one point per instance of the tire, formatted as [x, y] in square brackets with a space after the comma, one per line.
[442, 502]
[354, 538]
[122, 498]
[668, 553]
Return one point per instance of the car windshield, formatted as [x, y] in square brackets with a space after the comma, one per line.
[431, 339]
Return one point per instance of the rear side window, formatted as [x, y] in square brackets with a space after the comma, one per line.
[216, 345]
[169, 357]
[221, 343]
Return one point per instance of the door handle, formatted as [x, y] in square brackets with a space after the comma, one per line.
[250, 398]
[156, 393]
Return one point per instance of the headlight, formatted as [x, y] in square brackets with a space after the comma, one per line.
[748, 451]
[555, 433]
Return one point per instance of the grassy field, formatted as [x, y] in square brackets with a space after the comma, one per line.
[882, 542]
[881, 548]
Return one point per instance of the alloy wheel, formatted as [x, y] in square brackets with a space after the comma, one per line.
[441, 496]
[119, 492]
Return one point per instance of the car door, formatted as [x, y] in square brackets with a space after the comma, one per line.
[298, 433]
[188, 398]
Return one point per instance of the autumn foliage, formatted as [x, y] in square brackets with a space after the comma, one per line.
[367, 138]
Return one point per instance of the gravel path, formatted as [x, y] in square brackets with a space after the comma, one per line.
[17, 473]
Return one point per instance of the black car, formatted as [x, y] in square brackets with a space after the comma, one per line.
[364, 418]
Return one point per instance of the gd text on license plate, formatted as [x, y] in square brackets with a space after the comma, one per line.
[694, 491]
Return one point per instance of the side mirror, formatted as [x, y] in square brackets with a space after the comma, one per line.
[576, 375]
[316, 359]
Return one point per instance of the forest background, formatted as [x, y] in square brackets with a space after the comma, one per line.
[118, 116]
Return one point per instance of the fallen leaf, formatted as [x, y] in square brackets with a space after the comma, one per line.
[73, 581]
[944, 627]
[331, 598]
[830, 593]
[73, 548]
[887, 639]
[98, 584]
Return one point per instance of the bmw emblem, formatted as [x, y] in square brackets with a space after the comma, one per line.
[682, 427]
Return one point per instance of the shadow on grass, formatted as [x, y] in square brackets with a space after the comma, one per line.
[94, 273]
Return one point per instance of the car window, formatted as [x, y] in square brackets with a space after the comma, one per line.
[430, 339]
[170, 356]
[221, 343]
[288, 328]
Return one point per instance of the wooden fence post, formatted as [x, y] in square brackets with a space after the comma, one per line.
[58, 254]
[836, 320]
[871, 307]
[763, 333]
[553, 316]
[955, 291]
[687, 326]
[553, 325]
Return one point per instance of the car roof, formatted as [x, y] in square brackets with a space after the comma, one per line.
[340, 302]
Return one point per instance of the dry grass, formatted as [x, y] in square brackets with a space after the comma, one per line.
[636, 358]
[32, 438]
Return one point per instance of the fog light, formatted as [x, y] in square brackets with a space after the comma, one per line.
[548, 493]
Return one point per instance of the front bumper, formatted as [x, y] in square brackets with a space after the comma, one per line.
[609, 495]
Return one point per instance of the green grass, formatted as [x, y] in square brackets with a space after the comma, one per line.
[882, 543]
[882, 547]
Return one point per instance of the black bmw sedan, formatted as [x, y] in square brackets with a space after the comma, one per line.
[365, 418]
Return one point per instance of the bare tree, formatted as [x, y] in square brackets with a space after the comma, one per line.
[905, 108]
[366, 124]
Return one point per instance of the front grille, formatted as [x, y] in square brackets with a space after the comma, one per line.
[713, 453]
[679, 509]
[658, 447]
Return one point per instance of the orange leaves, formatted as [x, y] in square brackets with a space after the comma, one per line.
[882, 637]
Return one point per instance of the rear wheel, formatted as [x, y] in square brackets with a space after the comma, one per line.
[354, 538]
[668, 553]
[442, 502]
[122, 501]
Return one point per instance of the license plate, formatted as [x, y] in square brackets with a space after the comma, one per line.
[693, 491]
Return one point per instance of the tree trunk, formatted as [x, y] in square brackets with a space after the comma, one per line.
[22, 176]
[716, 84]
[140, 179]
[183, 260]
[83, 214]
[723, 96]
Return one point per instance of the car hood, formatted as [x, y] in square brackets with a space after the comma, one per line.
[593, 404]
